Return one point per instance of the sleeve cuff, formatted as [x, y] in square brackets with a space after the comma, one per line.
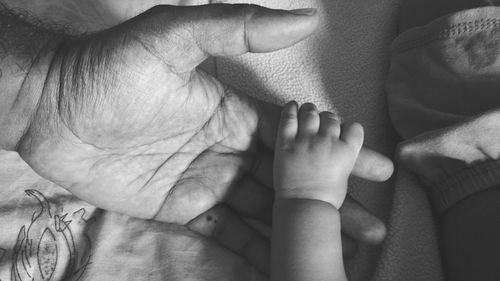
[466, 183]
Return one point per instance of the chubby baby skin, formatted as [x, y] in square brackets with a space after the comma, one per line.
[314, 156]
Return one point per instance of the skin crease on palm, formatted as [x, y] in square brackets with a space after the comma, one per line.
[134, 127]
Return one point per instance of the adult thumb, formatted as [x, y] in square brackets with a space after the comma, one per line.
[184, 36]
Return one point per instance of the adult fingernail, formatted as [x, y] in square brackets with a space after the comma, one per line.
[304, 12]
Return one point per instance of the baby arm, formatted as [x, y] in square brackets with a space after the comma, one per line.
[313, 160]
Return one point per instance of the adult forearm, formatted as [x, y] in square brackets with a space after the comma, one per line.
[26, 52]
[306, 241]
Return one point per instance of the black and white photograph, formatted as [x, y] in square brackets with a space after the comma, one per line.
[249, 140]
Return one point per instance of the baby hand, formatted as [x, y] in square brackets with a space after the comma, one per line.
[314, 154]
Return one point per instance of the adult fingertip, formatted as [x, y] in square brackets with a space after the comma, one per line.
[373, 166]
[383, 170]
[386, 171]
[269, 30]
[375, 234]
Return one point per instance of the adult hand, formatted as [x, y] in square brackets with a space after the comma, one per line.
[126, 121]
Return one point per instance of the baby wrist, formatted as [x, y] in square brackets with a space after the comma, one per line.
[333, 194]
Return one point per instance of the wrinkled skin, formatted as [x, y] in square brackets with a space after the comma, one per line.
[127, 122]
